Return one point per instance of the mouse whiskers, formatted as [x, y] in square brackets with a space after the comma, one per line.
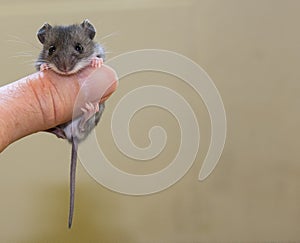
[17, 40]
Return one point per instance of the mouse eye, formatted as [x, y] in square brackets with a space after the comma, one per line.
[79, 48]
[51, 50]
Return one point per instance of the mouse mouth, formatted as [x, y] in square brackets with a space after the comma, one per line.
[65, 71]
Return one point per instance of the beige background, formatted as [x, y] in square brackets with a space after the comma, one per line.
[251, 50]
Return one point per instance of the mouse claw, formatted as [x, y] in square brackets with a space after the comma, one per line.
[96, 62]
[44, 66]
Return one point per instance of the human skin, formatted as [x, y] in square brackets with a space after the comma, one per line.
[46, 99]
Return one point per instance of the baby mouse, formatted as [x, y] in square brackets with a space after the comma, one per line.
[66, 50]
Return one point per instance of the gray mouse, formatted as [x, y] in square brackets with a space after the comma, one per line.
[66, 50]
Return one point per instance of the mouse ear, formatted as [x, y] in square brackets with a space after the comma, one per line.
[89, 28]
[42, 32]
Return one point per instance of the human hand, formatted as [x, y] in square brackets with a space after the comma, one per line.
[45, 99]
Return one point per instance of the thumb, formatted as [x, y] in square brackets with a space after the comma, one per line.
[45, 99]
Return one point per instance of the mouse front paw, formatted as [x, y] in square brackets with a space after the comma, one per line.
[96, 62]
[44, 66]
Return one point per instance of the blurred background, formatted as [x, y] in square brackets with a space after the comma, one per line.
[251, 50]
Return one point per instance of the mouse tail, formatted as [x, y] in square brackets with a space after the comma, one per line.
[72, 179]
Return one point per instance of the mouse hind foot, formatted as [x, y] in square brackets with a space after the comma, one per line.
[88, 112]
[59, 132]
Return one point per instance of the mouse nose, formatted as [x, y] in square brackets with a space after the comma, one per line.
[64, 67]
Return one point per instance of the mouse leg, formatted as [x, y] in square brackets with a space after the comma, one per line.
[96, 62]
[89, 111]
[44, 66]
[59, 132]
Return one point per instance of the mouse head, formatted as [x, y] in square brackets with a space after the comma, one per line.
[67, 49]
